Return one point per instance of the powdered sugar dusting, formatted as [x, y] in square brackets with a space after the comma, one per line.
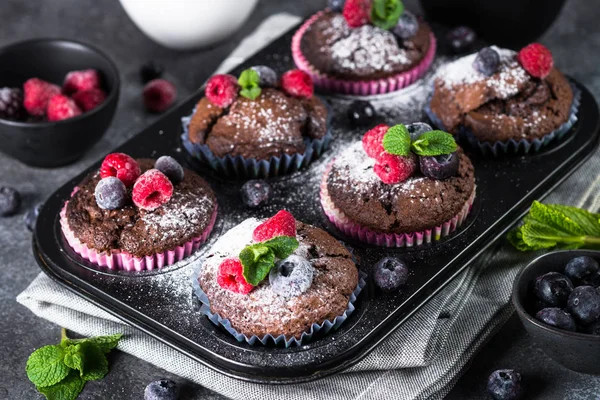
[506, 82]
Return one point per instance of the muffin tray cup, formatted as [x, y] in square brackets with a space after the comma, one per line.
[512, 146]
[331, 84]
[162, 303]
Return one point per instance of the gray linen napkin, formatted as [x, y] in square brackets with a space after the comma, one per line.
[422, 359]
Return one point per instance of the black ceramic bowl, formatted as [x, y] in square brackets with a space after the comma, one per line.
[576, 351]
[507, 23]
[51, 144]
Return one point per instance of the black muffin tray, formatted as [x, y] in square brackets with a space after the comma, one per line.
[162, 303]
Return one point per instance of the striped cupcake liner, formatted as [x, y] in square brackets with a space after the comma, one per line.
[121, 260]
[512, 146]
[329, 84]
[247, 168]
[367, 235]
[281, 340]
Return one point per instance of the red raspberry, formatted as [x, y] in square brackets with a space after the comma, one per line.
[89, 99]
[222, 90]
[81, 80]
[122, 166]
[61, 107]
[231, 277]
[357, 12]
[394, 169]
[372, 141]
[281, 224]
[297, 83]
[159, 95]
[536, 59]
[151, 190]
[36, 94]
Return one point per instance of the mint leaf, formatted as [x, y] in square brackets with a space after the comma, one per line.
[45, 366]
[282, 246]
[95, 365]
[67, 389]
[257, 260]
[434, 143]
[249, 80]
[73, 357]
[104, 343]
[385, 13]
[554, 218]
[397, 140]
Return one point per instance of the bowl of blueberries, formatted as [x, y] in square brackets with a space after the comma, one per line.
[557, 297]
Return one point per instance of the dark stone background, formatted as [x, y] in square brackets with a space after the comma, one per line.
[574, 40]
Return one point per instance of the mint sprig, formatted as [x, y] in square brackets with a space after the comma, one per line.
[248, 81]
[555, 225]
[397, 141]
[385, 13]
[60, 371]
[259, 258]
[434, 143]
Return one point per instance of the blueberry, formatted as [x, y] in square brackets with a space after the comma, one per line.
[170, 167]
[416, 129]
[584, 304]
[151, 71]
[110, 193]
[161, 390]
[583, 270]
[461, 38]
[31, 216]
[11, 104]
[557, 317]
[268, 77]
[10, 201]
[505, 384]
[291, 276]
[255, 193]
[361, 113]
[439, 167]
[336, 5]
[390, 274]
[553, 289]
[487, 61]
[407, 26]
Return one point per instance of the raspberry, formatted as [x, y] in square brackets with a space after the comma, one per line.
[357, 12]
[536, 59]
[11, 104]
[61, 107]
[297, 83]
[222, 90]
[281, 224]
[37, 93]
[151, 190]
[231, 277]
[372, 141]
[394, 169]
[81, 80]
[122, 166]
[89, 99]
[159, 95]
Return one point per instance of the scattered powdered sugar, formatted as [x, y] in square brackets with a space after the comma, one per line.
[506, 82]
[365, 48]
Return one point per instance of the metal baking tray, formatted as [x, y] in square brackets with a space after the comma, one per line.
[162, 304]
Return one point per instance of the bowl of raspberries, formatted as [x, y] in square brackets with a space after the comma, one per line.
[57, 98]
[557, 297]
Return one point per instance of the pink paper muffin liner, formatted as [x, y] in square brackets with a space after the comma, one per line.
[331, 84]
[121, 260]
[367, 235]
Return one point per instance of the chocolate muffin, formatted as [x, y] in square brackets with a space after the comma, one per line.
[271, 125]
[364, 53]
[186, 217]
[508, 105]
[352, 193]
[265, 312]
